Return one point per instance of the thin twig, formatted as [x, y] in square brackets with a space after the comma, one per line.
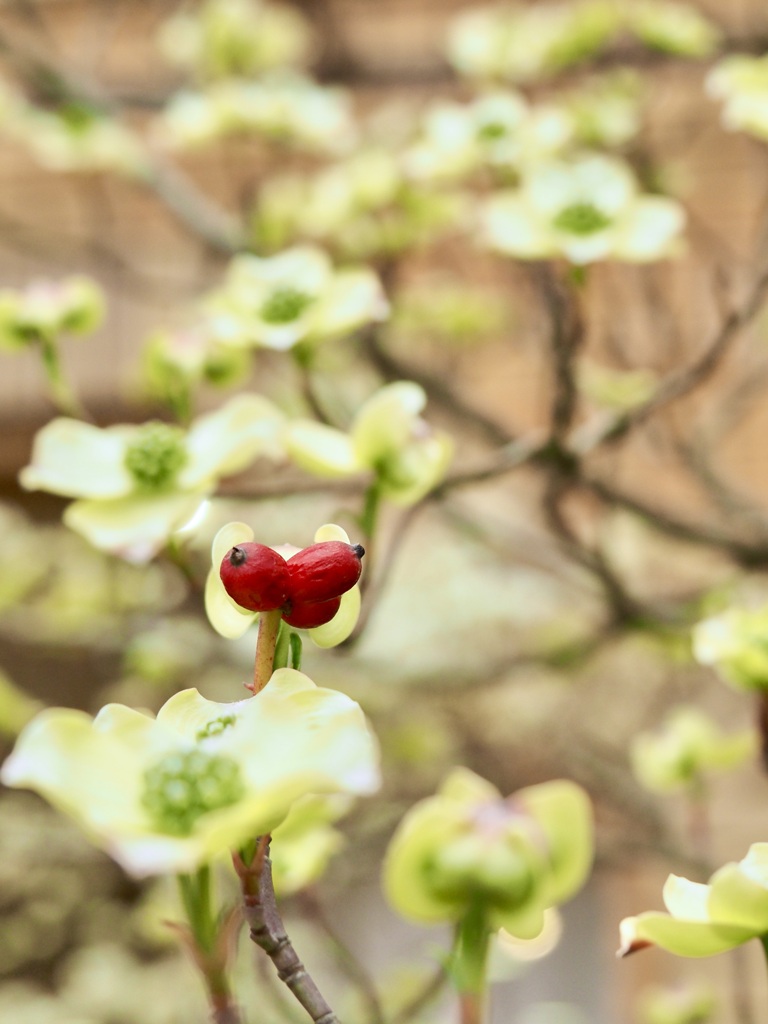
[268, 932]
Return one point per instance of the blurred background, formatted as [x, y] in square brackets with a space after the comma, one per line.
[531, 616]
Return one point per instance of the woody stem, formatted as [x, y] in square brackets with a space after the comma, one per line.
[269, 627]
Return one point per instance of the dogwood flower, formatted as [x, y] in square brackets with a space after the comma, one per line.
[77, 138]
[295, 297]
[706, 919]
[387, 437]
[234, 37]
[135, 485]
[47, 309]
[734, 642]
[672, 27]
[171, 793]
[232, 621]
[467, 845]
[742, 83]
[586, 210]
[288, 108]
[520, 43]
[685, 748]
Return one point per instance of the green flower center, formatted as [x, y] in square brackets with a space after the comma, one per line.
[581, 219]
[216, 727]
[492, 130]
[183, 786]
[285, 305]
[156, 456]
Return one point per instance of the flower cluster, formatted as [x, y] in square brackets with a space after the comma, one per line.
[467, 846]
[521, 43]
[234, 37]
[288, 108]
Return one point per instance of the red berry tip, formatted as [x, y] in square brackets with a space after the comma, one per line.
[237, 556]
[359, 550]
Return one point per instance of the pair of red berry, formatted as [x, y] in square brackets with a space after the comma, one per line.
[307, 587]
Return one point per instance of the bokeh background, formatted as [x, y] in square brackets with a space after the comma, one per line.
[524, 639]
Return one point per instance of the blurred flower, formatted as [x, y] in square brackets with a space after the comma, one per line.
[521, 43]
[586, 210]
[16, 707]
[387, 437]
[138, 484]
[232, 621]
[685, 748]
[736, 643]
[295, 297]
[47, 309]
[688, 1004]
[616, 389]
[677, 28]
[304, 843]
[176, 362]
[234, 37]
[172, 793]
[468, 846]
[282, 107]
[706, 919]
[450, 310]
[742, 82]
[606, 109]
[327, 204]
[76, 137]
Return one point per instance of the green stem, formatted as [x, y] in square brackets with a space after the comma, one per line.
[370, 512]
[209, 949]
[469, 963]
[269, 627]
[63, 396]
[294, 657]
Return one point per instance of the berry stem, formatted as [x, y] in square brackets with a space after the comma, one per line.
[269, 627]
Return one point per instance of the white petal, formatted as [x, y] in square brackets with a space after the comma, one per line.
[133, 528]
[227, 440]
[226, 538]
[227, 618]
[79, 460]
[686, 900]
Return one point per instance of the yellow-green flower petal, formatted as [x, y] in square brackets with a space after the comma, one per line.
[563, 812]
[684, 938]
[135, 528]
[78, 460]
[335, 632]
[320, 449]
[385, 423]
[228, 440]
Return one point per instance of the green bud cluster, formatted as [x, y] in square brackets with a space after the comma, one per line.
[156, 456]
[284, 306]
[184, 785]
[581, 219]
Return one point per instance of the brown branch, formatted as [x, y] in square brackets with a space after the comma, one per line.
[678, 384]
[437, 389]
[268, 932]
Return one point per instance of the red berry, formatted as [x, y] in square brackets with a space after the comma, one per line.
[316, 613]
[323, 571]
[255, 577]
